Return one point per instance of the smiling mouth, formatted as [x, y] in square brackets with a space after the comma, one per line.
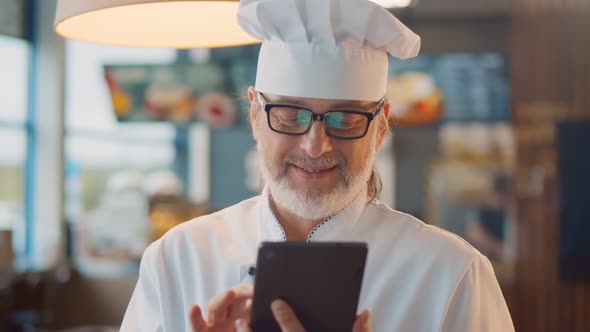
[314, 170]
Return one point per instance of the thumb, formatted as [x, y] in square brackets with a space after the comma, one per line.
[286, 317]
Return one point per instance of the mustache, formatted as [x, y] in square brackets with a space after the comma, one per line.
[323, 161]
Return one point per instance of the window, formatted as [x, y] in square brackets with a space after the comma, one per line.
[107, 162]
[13, 138]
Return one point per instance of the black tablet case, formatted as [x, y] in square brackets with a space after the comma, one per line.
[320, 280]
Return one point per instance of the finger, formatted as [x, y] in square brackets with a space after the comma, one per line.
[242, 304]
[244, 287]
[218, 306]
[242, 326]
[229, 305]
[286, 317]
[198, 324]
[361, 324]
[240, 309]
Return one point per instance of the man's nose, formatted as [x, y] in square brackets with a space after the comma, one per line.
[315, 142]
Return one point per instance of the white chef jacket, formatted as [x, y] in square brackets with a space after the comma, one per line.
[417, 277]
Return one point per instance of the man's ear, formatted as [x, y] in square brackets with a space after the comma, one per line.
[383, 124]
[252, 111]
[251, 94]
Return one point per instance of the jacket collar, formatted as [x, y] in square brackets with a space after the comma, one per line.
[331, 229]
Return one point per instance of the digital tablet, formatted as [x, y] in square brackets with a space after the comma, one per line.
[321, 281]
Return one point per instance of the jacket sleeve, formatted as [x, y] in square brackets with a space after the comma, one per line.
[477, 303]
[143, 312]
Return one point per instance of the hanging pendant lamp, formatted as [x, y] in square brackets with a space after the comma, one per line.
[152, 23]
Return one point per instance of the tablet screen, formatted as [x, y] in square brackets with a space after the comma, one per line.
[320, 280]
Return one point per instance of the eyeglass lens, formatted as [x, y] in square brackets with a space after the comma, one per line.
[298, 120]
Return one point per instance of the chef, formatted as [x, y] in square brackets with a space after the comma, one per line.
[319, 116]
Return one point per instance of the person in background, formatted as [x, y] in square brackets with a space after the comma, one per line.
[318, 116]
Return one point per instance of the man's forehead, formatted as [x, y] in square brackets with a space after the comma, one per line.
[328, 103]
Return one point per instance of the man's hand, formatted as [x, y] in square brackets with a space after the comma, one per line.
[288, 321]
[223, 310]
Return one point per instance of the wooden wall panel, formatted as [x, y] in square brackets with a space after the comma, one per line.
[550, 73]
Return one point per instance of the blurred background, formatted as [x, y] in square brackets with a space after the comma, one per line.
[105, 148]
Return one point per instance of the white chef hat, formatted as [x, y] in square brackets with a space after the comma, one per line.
[333, 49]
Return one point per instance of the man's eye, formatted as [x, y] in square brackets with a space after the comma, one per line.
[334, 122]
[295, 118]
[302, 118]
[340, 120]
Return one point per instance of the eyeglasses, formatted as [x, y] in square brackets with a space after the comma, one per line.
[297, 120]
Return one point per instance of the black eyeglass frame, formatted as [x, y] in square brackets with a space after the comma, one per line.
[321, 117]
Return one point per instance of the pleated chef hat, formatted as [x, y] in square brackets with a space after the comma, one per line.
[332, 49]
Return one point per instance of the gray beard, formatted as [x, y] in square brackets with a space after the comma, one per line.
[315, 204]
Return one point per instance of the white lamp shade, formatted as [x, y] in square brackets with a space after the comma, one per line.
[152, 23]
